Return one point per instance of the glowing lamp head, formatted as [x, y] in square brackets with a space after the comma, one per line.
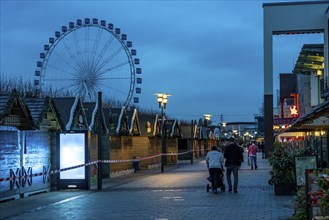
[162, 99]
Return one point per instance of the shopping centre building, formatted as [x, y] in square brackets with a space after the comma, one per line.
[310, 109]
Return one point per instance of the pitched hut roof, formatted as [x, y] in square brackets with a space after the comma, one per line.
[119, 121]
[14, 112]
[91, 111]
[39, 108]
[134, 128]
[147, 123]
[174, 128]
[72, 113]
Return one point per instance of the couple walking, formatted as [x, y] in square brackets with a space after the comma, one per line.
[233, 158]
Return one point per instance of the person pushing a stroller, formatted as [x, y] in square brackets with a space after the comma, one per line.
[215, 160]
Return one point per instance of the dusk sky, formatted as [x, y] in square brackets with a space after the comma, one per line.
[207, 54]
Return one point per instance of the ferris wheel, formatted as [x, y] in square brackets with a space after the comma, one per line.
[88, 57]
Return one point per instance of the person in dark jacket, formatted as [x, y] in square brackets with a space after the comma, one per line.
[233, 158]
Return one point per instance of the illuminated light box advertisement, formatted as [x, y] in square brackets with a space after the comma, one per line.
[72, 153]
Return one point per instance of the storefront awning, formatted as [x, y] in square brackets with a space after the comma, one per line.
[310, 59]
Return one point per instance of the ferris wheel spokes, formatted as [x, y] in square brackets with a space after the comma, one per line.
[61, 70]
[108, 59]
[113, 68]
[68, 48]
[95, 46]
[104, 49]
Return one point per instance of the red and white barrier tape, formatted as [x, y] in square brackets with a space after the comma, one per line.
[171, 154]
[87, 164]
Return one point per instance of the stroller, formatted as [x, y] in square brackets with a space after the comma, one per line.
[218, 183]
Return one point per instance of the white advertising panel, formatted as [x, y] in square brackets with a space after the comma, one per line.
[72, 153]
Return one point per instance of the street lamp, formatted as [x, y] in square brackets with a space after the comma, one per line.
[162, 100]
[207, 117]
[224, 124]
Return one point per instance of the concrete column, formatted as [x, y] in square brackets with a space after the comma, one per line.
[268, 124]
[268, 90]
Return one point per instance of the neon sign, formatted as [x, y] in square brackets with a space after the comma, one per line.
[294, 111]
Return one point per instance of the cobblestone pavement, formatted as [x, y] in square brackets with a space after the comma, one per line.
[178, 193]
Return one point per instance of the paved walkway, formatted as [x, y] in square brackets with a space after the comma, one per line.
[178, 193]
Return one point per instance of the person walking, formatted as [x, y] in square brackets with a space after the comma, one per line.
[262, 148]
[214, 160]
[233, 158]
[252, 154]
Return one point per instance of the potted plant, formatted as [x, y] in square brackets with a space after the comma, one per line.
[282, 173]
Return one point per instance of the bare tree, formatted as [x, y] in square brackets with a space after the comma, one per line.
[8, 84]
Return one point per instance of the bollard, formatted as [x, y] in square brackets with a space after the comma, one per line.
[136, 164]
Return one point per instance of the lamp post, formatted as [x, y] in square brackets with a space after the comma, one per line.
[207, 118]
[99, 137]
[162, 100]
[223, 129]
